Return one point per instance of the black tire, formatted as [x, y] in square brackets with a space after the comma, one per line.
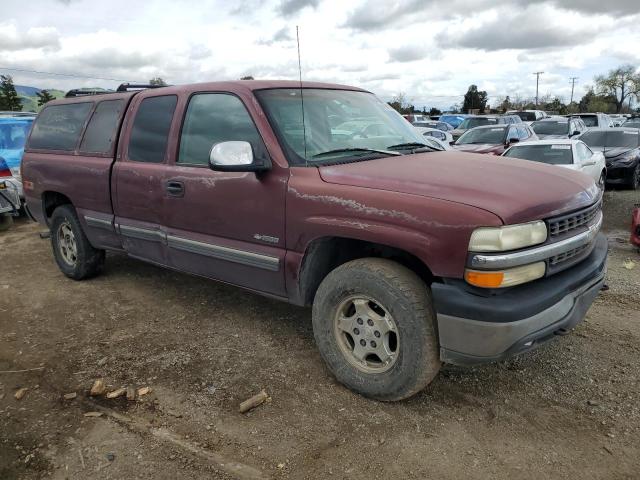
[6, 221]
[87, 261]
[635, 178]
[406, 299]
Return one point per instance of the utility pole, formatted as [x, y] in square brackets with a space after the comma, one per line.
[537, 74]
[573, 84]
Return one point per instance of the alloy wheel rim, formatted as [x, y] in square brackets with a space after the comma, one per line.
[67, 244]
[367, 334]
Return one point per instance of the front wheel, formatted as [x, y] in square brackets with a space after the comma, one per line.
[374, 324]
[73, 252]
[635, 178]
[6, 221]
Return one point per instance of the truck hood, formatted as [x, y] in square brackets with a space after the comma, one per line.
[516, 191]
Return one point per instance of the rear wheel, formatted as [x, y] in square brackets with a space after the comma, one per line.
[374, 325]
[75, 256]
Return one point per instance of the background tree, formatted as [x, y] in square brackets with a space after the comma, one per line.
[43, 97]
[400, 103]
[594, 102]
[435, 111]
[620, 83]
[474, 99]
[9, 99]
[157, 82]
[248, 77]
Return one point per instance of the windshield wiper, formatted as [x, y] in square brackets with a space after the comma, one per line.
[355, 149]
[410, 145]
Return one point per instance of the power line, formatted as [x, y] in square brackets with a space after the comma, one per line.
[25, 70]
[537, 74]
[573, 83]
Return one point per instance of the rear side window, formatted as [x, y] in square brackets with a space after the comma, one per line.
[58, 127]
[103, 127]
[213, 118]
[150, 131]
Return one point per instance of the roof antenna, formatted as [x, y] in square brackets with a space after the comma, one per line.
[304, 129]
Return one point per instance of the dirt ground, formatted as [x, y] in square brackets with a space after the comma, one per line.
[570, 409]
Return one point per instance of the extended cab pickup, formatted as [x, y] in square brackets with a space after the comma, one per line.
[409, 256]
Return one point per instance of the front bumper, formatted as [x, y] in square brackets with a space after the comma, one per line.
[620, 174]
[476, 329]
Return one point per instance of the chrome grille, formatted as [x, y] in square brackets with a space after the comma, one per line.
[567, 223]
[568, 255]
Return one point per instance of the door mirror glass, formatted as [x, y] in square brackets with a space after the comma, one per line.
[512, 140]
[233, 156]
[575, 132]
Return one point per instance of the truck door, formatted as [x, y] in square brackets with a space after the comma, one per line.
[224, 225]
[139, 181]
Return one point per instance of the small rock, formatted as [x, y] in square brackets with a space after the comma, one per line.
[608, 450]
[117, 393]
[98, 388]
[70, 396]
[593, 403]
[211, 389]
[629, 264]
[281, 465]
[20, 393]
[93, 414]
[143, 391]
[102, 361]
[131, 394]
[111, 456]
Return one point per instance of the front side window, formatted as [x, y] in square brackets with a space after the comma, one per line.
[492, 135]
[213, 118]
[365, 124]
[150, 131]
[583, 152]
[101, 132]
[550, 154]
[58, 127]
[13, 135]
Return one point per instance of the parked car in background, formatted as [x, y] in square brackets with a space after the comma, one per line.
[14, 130]
[408, 256]
[444, 126]
[617, 119]
[595, 120]
[528, 116]
[473, 121]
[633, 122]
[560, 127]
[621, 149]
[444, 137]
[566, 153]
[360, 129]
[9, 197]
[413, 118]
[492, 139]
[453, 119]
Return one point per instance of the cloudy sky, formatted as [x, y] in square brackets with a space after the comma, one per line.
[429, 49]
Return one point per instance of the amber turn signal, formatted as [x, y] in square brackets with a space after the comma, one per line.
[484, 279]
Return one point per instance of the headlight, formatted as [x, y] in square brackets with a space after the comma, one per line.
[505, 278]
[511, 237]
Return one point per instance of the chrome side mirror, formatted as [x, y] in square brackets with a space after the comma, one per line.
[234, 156]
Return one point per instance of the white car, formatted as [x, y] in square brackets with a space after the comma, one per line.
[443, 137]
[528, 116]
[566, 153]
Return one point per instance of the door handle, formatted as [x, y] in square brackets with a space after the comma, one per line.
[175, 188]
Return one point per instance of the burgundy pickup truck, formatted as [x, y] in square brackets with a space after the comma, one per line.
[321, 195]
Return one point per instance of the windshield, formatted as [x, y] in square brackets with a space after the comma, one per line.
[476, 122]
[631, 124]
[453, 120]
[483, 135]
[336, 121]
[611, 139]
[590, 120]
[526, 116]
[551, 128]
[551, 154]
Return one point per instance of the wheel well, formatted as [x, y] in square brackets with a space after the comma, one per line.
[325, 254]
[52, 200]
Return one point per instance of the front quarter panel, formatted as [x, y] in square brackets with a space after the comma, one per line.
[435, 231]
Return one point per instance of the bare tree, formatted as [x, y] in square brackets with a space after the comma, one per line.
[620, 83]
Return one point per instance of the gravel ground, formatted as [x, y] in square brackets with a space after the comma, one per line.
[569, 409]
